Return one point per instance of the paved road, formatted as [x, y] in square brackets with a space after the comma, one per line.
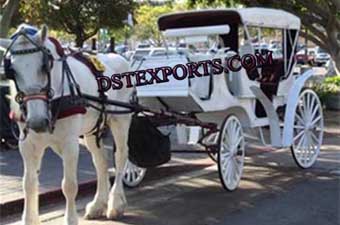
[273, 191]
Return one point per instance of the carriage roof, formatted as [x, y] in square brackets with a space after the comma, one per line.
[262, 17]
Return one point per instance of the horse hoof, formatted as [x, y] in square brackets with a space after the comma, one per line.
[114, 214]
[93, 211]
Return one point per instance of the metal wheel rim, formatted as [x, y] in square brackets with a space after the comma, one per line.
[231, 153]
[133, 174]
[308, 129]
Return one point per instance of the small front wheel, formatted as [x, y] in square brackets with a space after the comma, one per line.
[231, 152]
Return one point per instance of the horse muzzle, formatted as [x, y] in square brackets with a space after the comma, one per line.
[38, 125]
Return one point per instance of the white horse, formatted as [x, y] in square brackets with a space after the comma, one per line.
[30, 77]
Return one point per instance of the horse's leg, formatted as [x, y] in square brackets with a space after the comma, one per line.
[98, 206]
[117, 201]
[70, 152]
[31, 155]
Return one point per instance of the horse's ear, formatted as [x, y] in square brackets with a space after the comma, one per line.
[4, 43]
[43, 33]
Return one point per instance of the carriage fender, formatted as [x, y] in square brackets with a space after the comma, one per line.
[292, 101]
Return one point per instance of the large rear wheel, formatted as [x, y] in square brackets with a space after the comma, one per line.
[231, 152]
[308, 129]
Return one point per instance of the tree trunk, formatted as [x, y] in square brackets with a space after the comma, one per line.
[7, 11]
[337, 64]
[334, 44]
[79, 42]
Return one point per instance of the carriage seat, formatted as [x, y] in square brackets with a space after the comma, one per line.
[269, 82]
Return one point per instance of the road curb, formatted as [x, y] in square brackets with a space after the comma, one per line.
[54, 196]
[46, 198]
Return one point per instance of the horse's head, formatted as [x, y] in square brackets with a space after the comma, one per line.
[28, 62]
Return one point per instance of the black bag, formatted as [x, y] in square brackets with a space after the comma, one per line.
[148, 147]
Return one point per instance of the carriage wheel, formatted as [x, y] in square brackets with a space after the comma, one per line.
[308, 129]
[231, 153]
[133, 175]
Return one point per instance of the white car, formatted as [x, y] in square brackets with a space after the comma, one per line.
[321, 57]
[156, 52]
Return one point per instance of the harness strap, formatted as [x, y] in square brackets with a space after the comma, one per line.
[43, 97]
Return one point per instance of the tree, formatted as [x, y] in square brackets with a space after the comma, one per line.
[320, 17]
[146, 17]
[83, 18]
[8, 9]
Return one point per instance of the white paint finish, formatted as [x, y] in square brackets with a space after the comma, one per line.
[292, 101]
[274, 122]
[308, 129]
[231, 153]
[273, 18]
[171, 88]
[197, 31]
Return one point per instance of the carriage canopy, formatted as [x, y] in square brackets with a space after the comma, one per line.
[262, 17]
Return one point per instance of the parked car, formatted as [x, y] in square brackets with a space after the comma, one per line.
[144, 45]
[128, 55]
[302, 58]
[277, 53]
[261, 47]
[156, 52]
[140, 53]
[275, 45]
[321, 57]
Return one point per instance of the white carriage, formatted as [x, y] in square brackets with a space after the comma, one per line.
[268, 96]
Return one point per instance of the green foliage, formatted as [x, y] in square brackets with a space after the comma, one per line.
[146, 17]
[121, 34]
[330, 86]
[212, 3]
[83, 18]
[333, 80]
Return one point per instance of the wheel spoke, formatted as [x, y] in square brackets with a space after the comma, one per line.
[298, 135]
[311, 106]
[238, 142]
[316, 120]
[129, 176]
[307, 103]
[302, 122]
[304, 107]
[226, 141]
[134, 175]
[314, 138]
[315, 110]
[230, 130]
[225, 154]
[300, 142]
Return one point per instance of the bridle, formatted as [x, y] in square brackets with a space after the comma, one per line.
[46, 93]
